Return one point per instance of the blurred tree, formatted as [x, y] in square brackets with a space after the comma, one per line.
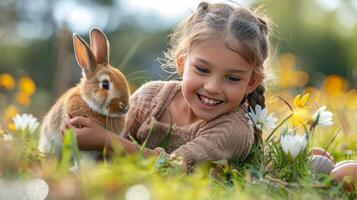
[315, 35]
[35, 39]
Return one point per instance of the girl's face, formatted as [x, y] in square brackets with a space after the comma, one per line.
[215, 79]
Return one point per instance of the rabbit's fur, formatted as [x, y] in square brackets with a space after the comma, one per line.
[102, 94]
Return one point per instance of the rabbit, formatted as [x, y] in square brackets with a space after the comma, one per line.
[102, 94]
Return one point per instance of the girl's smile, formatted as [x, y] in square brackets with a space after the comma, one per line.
[207, 101]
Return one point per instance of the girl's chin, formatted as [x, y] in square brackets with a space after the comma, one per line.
[205, 112]
[205, 115]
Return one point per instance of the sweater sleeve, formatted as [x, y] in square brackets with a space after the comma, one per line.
[225, 139]
[140, 107]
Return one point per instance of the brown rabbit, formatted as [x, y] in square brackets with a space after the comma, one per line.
[102, 93]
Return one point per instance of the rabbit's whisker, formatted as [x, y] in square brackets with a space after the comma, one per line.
[137, 72]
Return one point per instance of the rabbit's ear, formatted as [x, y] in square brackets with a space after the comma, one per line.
[100, 46]
[84, 56]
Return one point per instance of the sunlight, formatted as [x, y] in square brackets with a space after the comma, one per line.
[170, 8]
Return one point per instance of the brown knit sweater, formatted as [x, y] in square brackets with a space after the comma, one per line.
[225, 137]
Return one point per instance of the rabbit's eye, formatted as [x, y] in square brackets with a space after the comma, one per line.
[105, 84]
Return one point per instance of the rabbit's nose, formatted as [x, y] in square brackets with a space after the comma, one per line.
[123, 108]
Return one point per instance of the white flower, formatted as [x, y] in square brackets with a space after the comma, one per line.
[36, 189]
[259, 117]
[26, 121]
[293, 144]
[322, 117]
[7, 136]
[137, 192]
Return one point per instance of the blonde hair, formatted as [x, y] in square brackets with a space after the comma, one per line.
[238, 28]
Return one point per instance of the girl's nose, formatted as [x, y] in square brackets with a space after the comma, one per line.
[213, 86]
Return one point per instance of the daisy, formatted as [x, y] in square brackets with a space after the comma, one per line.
[26, 121]
[322, 117]
[260, 119]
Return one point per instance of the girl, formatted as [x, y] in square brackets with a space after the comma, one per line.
[219, 51]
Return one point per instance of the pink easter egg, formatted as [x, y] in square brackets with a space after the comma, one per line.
[322, 152]
[347, 174]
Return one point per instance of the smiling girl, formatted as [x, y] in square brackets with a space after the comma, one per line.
[219, 51]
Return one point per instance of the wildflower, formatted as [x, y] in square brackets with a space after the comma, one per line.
[36, 189]
[26, 121]
[260, 119]
[11, 127]
[334, 85]
[137, 192]
[27, 85]
[299, 117]
[301, 101]
[322, 117]
[23, 98]
[9, 112]
[7, 81]
[301, 112]
[292, 145]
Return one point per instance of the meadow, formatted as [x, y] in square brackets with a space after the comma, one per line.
[278, 167]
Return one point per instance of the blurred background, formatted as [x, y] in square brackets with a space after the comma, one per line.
[314, 42]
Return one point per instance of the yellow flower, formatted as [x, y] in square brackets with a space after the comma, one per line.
[23, 98]
[9, 113]
[27, 85]
[299, 102]
[301, 113]
[335, 85]
[300, 116]
[7, 81]
[11, 126]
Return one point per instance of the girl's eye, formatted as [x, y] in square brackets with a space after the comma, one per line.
[202, 70]
[233, 78]
[105, 84]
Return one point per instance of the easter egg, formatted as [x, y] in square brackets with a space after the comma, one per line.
[345, 161]
[322, 152]
[321, 164]
[346, 173]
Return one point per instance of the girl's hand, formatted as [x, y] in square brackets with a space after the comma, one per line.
[90, 135]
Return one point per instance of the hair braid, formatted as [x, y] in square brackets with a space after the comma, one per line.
[257, 97]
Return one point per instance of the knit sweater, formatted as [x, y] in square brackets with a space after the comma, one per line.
[228, 136]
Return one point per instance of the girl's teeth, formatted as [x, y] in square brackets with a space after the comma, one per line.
[209, 101]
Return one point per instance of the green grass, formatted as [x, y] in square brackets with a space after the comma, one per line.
[271, 176]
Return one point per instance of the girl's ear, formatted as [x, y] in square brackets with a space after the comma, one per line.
[180, 63]
[84, 55]
[254, 82]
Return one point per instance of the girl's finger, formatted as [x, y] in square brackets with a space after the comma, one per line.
[67, 126]
[80, 122]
